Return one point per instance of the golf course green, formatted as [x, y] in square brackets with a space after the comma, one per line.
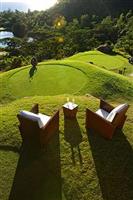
[74, 75]
[109, 62]
[47, 80]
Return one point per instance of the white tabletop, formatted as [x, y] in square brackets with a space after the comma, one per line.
[70, 105]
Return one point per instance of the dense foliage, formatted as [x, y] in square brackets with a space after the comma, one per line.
[48, 35]
[76, 8]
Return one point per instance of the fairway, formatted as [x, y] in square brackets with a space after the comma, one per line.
[106, 61]
[47, 80]
[68, 76]
[100, 160]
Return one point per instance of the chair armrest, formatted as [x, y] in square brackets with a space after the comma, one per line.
[106, 106]
[35, 108]
[99, 124]
[53, 119]
[49, 129]
[92, 116]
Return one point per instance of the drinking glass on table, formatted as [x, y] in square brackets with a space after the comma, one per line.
[73, 100]
[68, 102]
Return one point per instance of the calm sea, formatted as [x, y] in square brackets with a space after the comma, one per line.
[5, 34]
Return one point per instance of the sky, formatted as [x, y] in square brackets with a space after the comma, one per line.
[35, 4]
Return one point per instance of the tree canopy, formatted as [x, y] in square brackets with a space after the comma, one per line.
[55, 35]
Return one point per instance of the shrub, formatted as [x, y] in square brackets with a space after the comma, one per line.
[17, 62]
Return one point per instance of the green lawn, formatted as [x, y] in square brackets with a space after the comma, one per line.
[64, 77]
[86, 165]
[109, 62]
[47, 80]
[91, 167]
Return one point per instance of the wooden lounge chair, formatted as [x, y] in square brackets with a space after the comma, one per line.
[40, 130]
[107, 119]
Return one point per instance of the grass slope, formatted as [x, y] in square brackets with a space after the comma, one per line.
[67, 76]
[109, 62]
[104, 169]
[96, 168]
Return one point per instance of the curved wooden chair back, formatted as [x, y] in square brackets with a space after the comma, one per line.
[30, 129]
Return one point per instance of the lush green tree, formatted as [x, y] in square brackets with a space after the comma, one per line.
[85, 20]
[9, 18]
[19, 29]
[17, 62]
[121, 24]
[102, 8]
[55, 36]
[125, 42]
[106, 30]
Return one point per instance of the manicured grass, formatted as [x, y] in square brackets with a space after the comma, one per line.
[67, 76]
[91, 167]
[8, 164]
[109, 62]
[47, 80]
[97, 168]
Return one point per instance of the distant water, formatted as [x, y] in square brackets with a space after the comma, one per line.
[14, 6]
[5, 34]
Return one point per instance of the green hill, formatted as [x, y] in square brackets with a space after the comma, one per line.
[106, 61]
[74, 75]
[104, 169]
[76, 8]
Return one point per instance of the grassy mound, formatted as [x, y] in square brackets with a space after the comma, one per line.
[47, 80]
[103, 168]
[109, 62]
[67, 76]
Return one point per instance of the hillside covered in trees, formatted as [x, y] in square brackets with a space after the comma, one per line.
[69, 27]
[76, 8]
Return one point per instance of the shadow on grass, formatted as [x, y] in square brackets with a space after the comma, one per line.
[73, 136]
[32, 71]
[9, 148]
[114, 165]
[38, 174]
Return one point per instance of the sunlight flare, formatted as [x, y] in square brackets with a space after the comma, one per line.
[41, 4]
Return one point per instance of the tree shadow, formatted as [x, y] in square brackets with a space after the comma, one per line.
[72, 134]
[114, 165]
[38, 174]
[9, 148]
[32, 71]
